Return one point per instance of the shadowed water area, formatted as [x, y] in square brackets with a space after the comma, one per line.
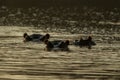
[29, 61]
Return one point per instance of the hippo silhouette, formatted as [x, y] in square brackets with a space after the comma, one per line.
[35, 37]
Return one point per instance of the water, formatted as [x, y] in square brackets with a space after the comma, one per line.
[29, 61]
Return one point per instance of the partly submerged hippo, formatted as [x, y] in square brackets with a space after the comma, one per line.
[85, 43]
[57, 45]
[35, 37]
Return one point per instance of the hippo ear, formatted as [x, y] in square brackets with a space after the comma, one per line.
[25, 34]
[89, 38]
[47, 36]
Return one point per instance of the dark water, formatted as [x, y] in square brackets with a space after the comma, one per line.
[29, 61]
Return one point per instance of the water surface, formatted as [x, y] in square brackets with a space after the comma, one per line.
[29, 61]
